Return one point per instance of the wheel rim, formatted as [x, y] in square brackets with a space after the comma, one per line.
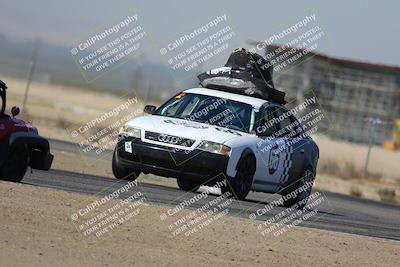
[244, 177]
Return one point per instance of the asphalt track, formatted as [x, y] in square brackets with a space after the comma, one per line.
[339, 213]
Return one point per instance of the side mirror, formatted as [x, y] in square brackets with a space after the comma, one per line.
[149, 109]
[267, 132]
[14, 111]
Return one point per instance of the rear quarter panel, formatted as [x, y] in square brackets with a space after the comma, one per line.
[305, 154]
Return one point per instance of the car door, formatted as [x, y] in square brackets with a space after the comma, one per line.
[292, 135]
[273, 154]
[301, 149]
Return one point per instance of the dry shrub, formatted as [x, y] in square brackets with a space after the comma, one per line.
[387, 195]
[328, 167]
[355, 191]
[349, 171]
[345, 171]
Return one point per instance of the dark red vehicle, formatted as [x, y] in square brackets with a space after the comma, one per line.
[20, 144]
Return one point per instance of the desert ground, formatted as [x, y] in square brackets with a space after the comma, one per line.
[37, 230]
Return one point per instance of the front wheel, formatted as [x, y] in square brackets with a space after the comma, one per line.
[123, 173]
[239, 187]
[301, 191]
[187, 185]
[14, 168]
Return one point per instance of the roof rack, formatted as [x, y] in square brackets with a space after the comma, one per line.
[241, 82]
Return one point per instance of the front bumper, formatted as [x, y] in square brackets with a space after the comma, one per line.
[198, 165]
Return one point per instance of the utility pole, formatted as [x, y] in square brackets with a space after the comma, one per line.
[147, 95]
[371, 139]
[373, 122]
[32, 66]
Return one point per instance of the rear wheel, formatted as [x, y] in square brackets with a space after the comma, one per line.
[14, 168]
[187, 185]
[301, 191]
[122, 172]
[240, 185]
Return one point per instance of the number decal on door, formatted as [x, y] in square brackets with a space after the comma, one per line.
[273, 159]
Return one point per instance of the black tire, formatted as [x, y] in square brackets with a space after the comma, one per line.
[123, 173]
[240, 185]
[301, 198]
[16, 164]
[187, 185]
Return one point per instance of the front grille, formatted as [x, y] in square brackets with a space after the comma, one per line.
[168, 139]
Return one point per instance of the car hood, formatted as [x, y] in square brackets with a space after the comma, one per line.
[184, 128]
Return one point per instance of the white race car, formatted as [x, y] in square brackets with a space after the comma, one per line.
[202, 136]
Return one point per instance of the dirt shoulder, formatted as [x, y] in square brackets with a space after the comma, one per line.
[37, 230]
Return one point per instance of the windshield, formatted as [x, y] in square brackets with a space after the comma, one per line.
[211, 110]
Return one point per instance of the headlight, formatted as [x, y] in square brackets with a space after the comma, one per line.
[214, 148]
[130, 131]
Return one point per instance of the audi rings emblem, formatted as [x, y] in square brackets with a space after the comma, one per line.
[169, 139]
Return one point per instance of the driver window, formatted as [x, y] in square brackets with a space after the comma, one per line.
[287, 124]
[270, 120]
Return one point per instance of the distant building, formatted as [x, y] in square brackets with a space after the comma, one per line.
[351, 93]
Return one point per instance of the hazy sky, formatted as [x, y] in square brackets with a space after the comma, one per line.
[364, 30]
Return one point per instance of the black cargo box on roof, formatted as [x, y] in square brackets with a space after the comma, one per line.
[243, 75]
[256, 65]
[240, 82]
